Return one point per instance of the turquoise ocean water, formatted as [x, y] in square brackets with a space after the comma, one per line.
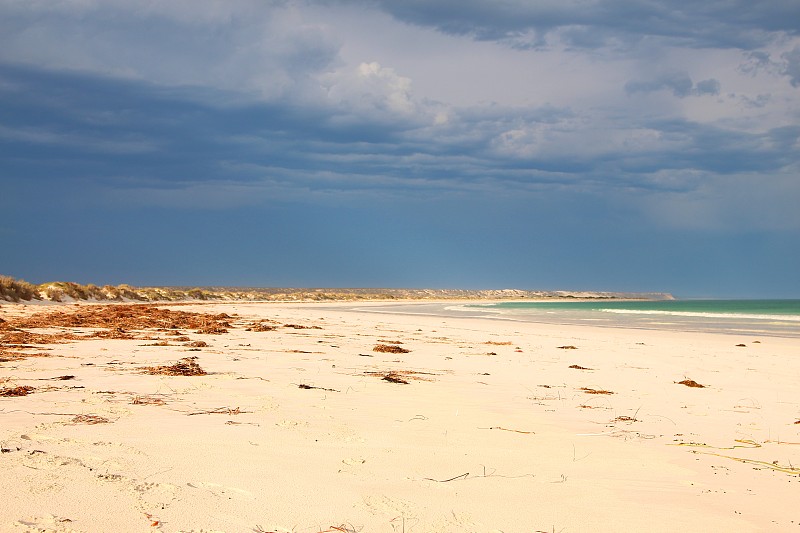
[757, 317]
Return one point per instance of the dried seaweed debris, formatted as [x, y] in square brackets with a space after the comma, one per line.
[389, 348]
[185, 367]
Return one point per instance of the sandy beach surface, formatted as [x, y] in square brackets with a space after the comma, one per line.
[320, 418]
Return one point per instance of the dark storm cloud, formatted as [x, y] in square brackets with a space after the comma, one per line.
[737, 24]
[95, 131]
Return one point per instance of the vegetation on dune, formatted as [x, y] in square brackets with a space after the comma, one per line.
[15, 290]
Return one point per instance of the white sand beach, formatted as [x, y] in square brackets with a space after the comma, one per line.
[304, 427]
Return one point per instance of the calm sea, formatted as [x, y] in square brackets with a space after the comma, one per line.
[757, 317]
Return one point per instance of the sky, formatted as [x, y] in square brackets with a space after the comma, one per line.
[610, 145]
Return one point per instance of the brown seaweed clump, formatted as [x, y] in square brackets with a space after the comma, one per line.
[122, 318]
[197, 344]
[389, 348]
[261, 327]
[22, 390]
[185, 367]
[691, 383]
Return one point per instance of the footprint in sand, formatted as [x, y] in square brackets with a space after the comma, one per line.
[155, 495]
[44, 461]
[291, 424]
[380, 504]
[457, 521]
[46, 524]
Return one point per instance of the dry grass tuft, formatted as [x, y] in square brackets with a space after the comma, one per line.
[496, 343]
[15, 290]
[185, 367]
[389, 348]
[691, 383]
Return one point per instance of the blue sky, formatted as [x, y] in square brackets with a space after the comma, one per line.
[587, 145]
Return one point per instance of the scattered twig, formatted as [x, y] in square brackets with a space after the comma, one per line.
[462, 476]
[587, 390]
[467, 475]
[401, 376]
[220, 411]
[513, 430]
[147, 400]
[304, 386]
[772, 466]
[747, 443]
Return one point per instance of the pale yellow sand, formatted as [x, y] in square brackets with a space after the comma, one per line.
[505, 442]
